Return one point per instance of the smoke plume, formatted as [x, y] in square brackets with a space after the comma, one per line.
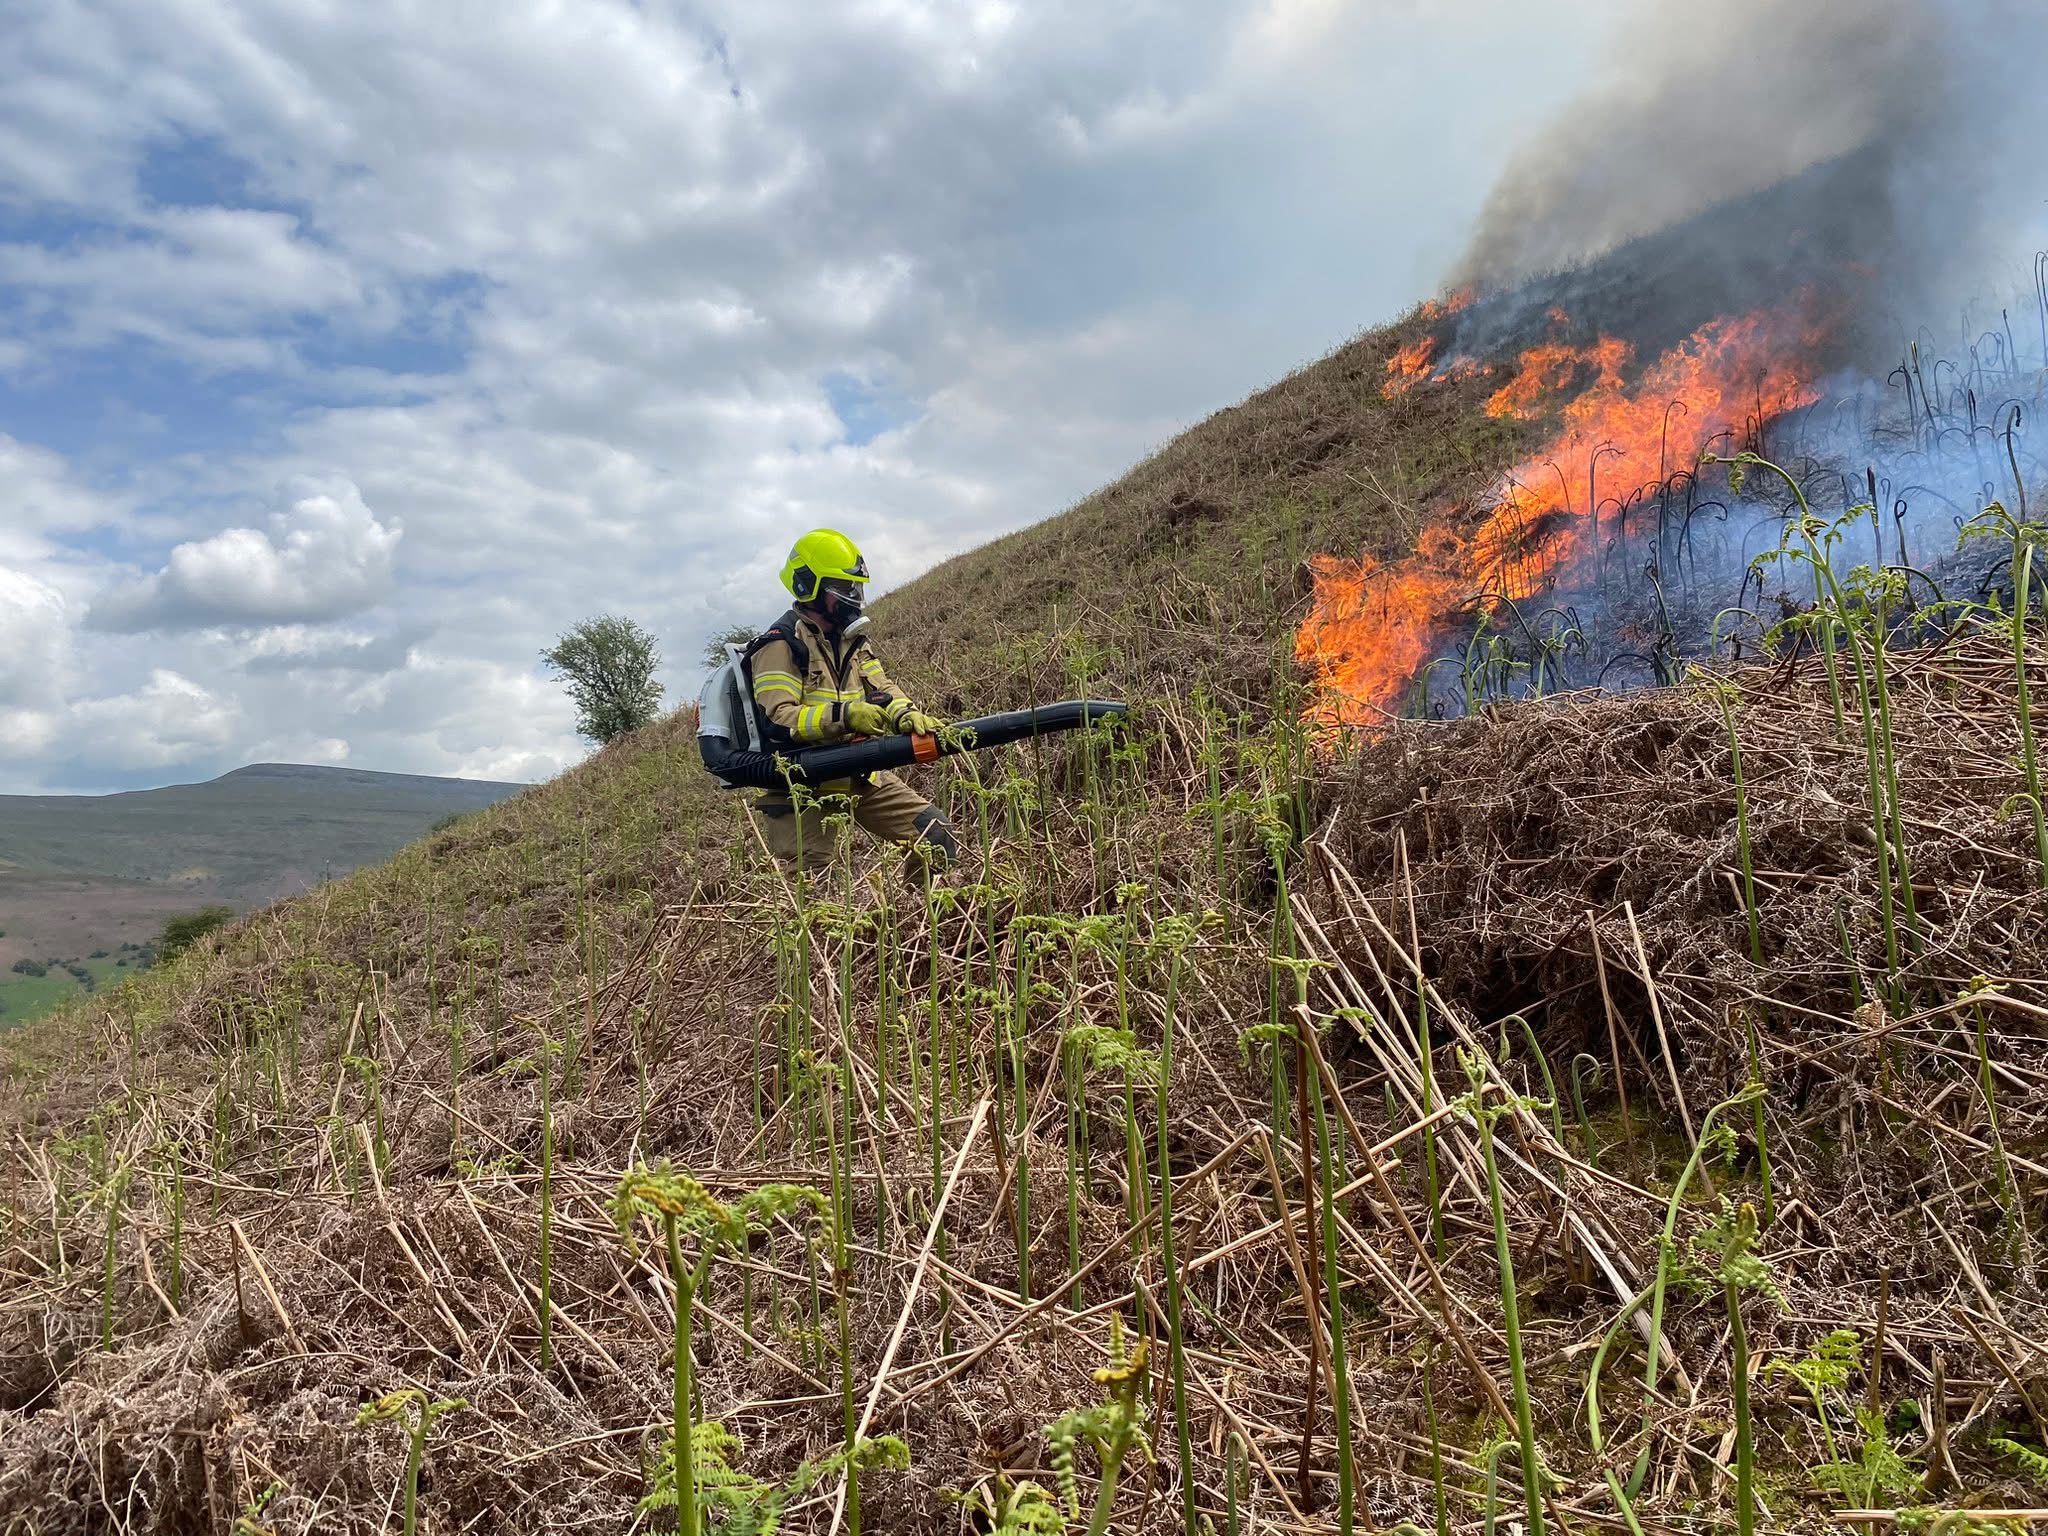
[1701, 105]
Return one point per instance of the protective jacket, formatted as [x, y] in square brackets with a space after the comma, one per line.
[803, 679]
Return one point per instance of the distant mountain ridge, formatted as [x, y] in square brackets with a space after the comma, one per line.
[349, 816]
[312, 775]
[78, 872]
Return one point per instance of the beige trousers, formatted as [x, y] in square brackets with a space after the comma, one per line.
[885, 807]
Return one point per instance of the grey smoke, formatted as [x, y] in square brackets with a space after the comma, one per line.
[1703, 103]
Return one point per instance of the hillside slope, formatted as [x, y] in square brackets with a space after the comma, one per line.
[1191, 566]
[1177, 1049]
[1194, 566]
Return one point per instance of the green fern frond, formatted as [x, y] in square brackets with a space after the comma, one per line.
[2031, 1461]
[1101, 1048]
[772, 1202]
[668, 1192]
[1267, 1034]
[1114, 1426]
[1834, 1359]
[1028, 1510]
[1731, 1244]
[1878, 1469]
[736, 1503]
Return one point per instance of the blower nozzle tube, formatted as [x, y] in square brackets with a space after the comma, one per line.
[819, 765]
[849, 760]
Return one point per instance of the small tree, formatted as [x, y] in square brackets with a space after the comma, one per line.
[732, 634]
[609, 664]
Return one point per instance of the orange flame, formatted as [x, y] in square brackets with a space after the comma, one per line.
[1450, 304]
[1374, 624]
[1550, 369]
[1408, 367]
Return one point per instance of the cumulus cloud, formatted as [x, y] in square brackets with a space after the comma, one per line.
[301, 648]
[35, 636]
[169, 721]
[323, 557]
[39, 497]
[201, 281]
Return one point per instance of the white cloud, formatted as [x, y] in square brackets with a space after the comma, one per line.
[201, 281]
[300, 648]
[331, 751]
[39, 496]
[169, 721]
[35, 639]
[325, 556]
[26, 735]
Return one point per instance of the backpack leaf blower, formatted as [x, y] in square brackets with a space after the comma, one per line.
[743, 764]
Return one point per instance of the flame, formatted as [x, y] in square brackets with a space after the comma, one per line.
[1552, 368]
[1375, 624]
[1409, 366]
[1450, 304]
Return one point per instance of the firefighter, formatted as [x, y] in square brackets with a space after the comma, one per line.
[816, 680]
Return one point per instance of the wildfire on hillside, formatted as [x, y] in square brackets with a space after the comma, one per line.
[1410, 365]
[1560, 523]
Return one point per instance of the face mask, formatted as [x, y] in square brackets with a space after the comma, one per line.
[840, 601]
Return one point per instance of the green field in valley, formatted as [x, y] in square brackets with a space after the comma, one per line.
[24, 997]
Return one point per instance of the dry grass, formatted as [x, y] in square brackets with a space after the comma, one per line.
[626, 914]
[428, 1277]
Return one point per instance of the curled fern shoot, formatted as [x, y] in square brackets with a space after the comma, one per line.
[1113, 1427]
[742, 1504]
[683, 1205]
[414, 1411]
[1485, 1115]
[1733, 1239]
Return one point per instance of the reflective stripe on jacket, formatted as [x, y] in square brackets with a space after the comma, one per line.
[807, 705]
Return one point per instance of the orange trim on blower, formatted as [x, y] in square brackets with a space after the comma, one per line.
[924, 749]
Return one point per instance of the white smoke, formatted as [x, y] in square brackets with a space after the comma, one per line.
[1703, 103]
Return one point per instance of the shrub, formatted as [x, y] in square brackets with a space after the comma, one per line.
[187, 929]
[26, 967]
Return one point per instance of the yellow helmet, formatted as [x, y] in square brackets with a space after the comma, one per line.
[820, 556]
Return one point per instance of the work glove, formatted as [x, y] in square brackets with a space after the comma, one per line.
[915, 722]
[865, 719]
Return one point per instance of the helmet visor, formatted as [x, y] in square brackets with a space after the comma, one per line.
[847, 594]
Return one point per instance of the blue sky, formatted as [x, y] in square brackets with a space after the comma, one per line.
[348, 354]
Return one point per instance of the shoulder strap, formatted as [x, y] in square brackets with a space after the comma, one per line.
[767, 736]
[783, 629]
